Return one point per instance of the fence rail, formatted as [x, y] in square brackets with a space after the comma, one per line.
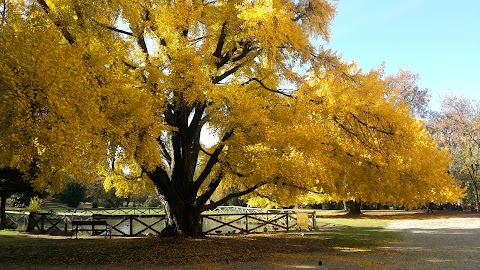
[116, 211]
[152, 224]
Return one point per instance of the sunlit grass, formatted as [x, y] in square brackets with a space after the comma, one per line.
[352, 222]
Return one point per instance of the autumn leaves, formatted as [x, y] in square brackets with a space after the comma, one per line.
[139, 86]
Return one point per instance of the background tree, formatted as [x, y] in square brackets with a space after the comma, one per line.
[139, 85]
[97, 195]
[404, 88]
[457, 127]
[73, 194]
[12, 181]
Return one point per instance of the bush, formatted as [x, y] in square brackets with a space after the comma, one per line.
[35, 204]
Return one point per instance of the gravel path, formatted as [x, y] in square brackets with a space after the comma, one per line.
[443, 243]
[447, 243]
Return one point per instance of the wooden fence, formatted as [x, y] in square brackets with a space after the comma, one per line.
[152, 224]
[116, 211]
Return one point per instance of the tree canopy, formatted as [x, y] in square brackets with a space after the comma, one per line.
[130, 90]
[457, 128]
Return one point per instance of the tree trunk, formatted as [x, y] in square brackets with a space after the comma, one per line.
[3, 213]
[475, 189]
[181, 220]
[354, 208]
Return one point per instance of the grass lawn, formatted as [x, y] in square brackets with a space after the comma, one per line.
[24, 251]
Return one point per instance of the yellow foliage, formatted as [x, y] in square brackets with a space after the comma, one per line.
[88, 84]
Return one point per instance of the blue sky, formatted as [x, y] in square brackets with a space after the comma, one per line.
[438, 39]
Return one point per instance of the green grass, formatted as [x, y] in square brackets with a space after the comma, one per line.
[358, 232]
[360, 237]
[353, 222]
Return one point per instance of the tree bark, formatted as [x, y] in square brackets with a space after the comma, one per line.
[354, 208]
[477, 200]
[3, 213]
[181, 220]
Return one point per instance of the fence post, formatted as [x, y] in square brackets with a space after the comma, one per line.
[314, 220]
[31, 222]
[246, 223]
[42, 229]
[286, 221]
[131, 225]
[65, 220]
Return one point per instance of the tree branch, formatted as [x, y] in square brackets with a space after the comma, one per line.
[66, 34]
[266, 87]
[221, 41]
[245, 50]
[205, 151]
[302, 188]
[165, 153]
[161, 181]
[267, 197]
[212, 161]
[115, 29]
[230, 196]
[352, 133]
[212, 187]
[227, 73]
[4, 12]
[197, 117]
[386, 132]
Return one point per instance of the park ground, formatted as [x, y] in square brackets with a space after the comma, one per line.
[379, 240]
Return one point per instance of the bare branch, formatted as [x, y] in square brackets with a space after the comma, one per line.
[116, 29]
[354, 134]
[130, 66]
[205, 151]
[227, 73]
[386, 132]
[267, 88]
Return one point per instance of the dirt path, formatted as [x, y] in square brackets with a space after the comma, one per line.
[443, 243]
[446, 243]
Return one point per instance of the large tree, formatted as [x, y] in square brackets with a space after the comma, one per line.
[204, 101]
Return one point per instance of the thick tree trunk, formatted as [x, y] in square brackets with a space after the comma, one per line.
[3, 213]
[354, 208]
[181, 220]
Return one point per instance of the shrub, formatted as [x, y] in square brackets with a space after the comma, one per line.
[35, 204]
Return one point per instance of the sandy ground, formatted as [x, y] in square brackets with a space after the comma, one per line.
[447, 243]
[443, 243]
